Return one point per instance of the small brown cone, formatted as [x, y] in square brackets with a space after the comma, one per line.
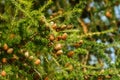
[37, 62]
[58, 46]
[4, 60]
[3, 73]
[70, 54]
[64, 36]
[51, 37]
[10, 51]
[59, 52]
[5, 46]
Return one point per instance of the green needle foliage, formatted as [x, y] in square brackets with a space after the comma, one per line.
[49, 40]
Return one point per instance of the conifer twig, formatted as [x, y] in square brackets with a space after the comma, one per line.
[20, 8]
[66, 13]
[37, 72]
[96, 33]
[55, 61]
[43, 7]
[84, 26]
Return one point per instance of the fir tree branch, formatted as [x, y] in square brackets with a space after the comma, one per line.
[20, 8]
[65, 13]
[96, 33]
[44, 6]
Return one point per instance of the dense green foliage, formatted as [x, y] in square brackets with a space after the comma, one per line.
[49, 40]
